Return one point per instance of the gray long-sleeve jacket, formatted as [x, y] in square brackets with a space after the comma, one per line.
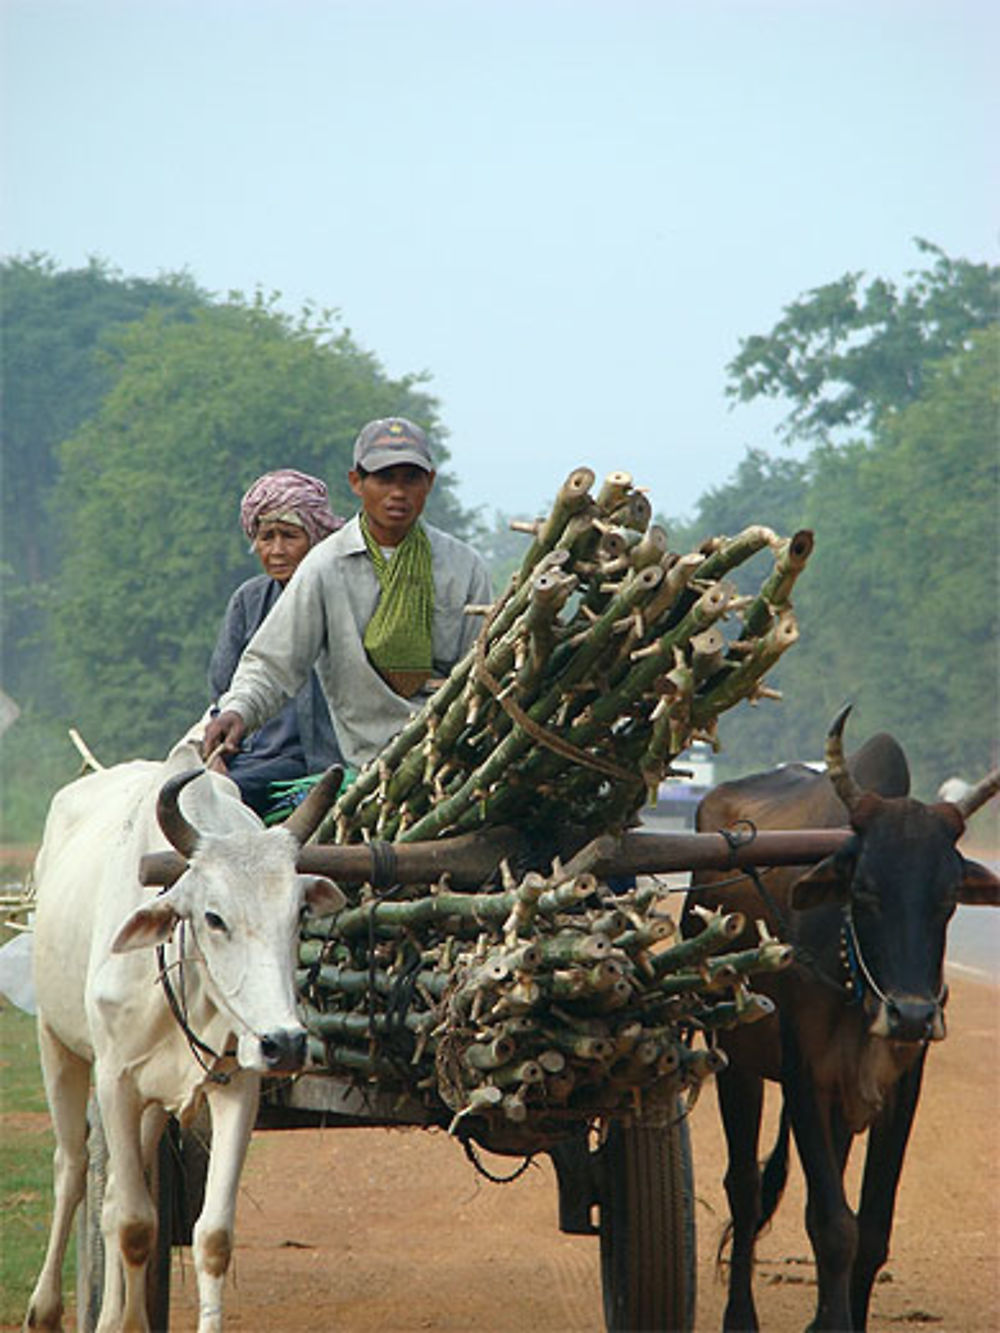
[320, 621]
[302, 725]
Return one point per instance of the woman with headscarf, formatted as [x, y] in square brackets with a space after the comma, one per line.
[284, 514]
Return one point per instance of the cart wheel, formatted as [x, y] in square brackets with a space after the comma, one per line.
[647, 1228]
[190, 1150]
[90, 1239]
[164, 1188]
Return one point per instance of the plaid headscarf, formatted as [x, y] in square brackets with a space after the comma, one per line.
[399, 635]
[289, 496]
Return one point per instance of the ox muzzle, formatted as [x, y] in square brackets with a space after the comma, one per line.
[908, 1019]
[281, 1051]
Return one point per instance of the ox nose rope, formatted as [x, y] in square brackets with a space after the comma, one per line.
[859, 975]
[805, 956]
[199, 1048]
[851, 951]
[741, 834]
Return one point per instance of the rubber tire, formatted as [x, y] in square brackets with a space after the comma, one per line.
[90, 1238]
[647, 1228]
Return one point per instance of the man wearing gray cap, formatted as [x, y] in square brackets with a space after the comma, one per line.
[378, 608]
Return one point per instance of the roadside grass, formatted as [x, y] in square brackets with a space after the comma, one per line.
[26, 1145]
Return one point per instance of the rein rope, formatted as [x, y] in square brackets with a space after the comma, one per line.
[199, 1048]
[742, 834]
[859, 974]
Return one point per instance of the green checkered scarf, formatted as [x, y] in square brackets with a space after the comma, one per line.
[398, 637]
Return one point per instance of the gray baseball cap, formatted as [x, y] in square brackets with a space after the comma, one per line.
[390, 441]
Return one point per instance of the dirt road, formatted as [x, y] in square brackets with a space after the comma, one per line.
[364, 1230]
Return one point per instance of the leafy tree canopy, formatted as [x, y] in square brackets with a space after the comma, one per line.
[902, 611]
[149, 492]
[847, 355]
[54, 324]
[898, 608]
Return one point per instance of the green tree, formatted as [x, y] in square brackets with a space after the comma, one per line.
[846, 356]
[898, 606]
[901, 607]
[149, 491]
[54, 325]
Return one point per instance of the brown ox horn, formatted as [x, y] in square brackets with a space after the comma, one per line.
[836, 765]
[306, 818]
[969, 803]
[181, 835]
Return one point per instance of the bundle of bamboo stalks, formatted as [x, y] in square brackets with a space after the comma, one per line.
[607, 655]
[548, 995]
[546, 998]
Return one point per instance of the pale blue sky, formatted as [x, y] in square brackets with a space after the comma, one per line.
[568, 213]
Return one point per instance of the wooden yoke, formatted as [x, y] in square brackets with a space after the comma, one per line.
[473, 859]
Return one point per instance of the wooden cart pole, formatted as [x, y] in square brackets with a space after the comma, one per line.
[473, 859]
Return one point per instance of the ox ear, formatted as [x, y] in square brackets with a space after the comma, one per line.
[979, 887]
[321, 895]
[827, 882]
[153, 923]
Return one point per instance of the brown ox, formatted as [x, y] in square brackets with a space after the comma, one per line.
[855, 1012]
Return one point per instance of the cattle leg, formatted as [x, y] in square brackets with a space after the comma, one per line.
[823, 1141]
[741, 1097]
[128, 1219]
[234, 1110]
[67, 1085]
[154, 1121]
[887, 1142]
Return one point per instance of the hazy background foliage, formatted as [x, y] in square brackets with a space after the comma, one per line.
[137, 411]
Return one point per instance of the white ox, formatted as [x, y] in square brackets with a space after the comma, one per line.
[230, 926]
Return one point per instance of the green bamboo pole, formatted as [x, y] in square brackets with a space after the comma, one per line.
[739, 682]
[356, 981]
[361, 1027]
[789, 563]
[731, 1013]
[572, 499]
[733, 551]
[722, 929]
[477, 784]
[470, 909]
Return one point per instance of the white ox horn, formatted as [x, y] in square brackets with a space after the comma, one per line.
[969, 803]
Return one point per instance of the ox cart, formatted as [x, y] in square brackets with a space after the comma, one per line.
[630, 1187]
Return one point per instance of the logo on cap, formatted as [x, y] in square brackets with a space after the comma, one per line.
[393, 439]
